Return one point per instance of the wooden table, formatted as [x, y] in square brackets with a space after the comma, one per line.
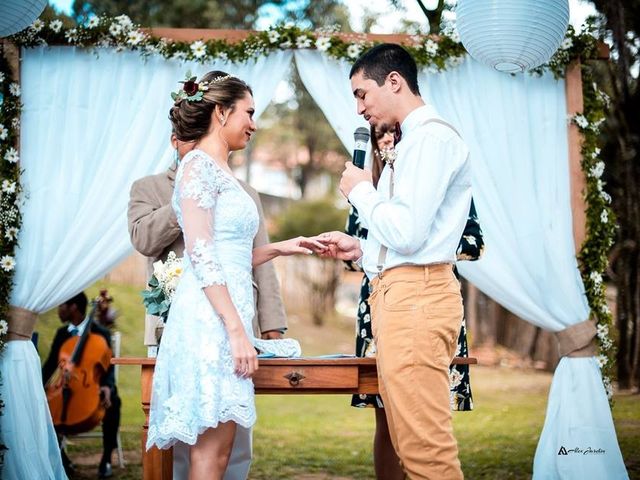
[276, 376]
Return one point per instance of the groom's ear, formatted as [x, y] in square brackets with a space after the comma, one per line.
[395, 81]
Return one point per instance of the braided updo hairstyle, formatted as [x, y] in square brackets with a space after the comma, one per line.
[191, 120]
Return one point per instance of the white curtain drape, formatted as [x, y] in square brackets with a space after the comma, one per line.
[516, 128]
[327, 81]
[91, 125]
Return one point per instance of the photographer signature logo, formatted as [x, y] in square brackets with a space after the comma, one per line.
[581, 451]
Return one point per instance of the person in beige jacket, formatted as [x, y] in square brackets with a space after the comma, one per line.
[154, 232]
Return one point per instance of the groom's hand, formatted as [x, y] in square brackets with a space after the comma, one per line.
[340, 245]
[352, 176]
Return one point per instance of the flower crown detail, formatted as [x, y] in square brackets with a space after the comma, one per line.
[193, 91]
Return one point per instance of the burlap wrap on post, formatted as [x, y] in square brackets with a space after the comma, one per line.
[21, 323]
[577, 340]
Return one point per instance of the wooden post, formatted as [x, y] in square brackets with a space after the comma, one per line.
[156, 464]
[575, 104]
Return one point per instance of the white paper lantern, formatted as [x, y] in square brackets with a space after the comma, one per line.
[16, 15]
[512, 35]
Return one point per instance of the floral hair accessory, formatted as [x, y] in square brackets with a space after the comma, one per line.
[191, 90]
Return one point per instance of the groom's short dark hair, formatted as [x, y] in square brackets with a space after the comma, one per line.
[379, 61]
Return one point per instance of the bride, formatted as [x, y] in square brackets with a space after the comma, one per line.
[202, 385]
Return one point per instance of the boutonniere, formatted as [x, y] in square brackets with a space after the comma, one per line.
[388, 156]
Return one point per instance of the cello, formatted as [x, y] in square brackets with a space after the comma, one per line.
[73, 391]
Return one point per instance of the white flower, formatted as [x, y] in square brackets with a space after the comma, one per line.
[286, 44]
[608, 387]
[11, 233]
[71, 35]
[158, 269]
[581, 121]
[604, 217]
[455, 378]
[1, 77]
[4, 327]
[388, 155]
[604, 97]
[303, 42]
[605, 309]
[453, 35]
[567, 43]
[93, 22]
[199, 49]
[12, 155]
[3, 132]
[37, 25]
[273, 35]
[323, 44]
[597, 170]
[471, 240]
[595, 153]
[602, 360]
[599, 185]
[124, 21]
[453, 62]
[602, 331]
[431, 47]
[115, 29]
[55, 26]
[14, 89]
[363, 333]
[7, 263]
[353, 50]
[223, 56]
[135, 37]
[8, 186]
[605, 196]
[596, 278]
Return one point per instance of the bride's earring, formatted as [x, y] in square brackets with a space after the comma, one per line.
[223, 121]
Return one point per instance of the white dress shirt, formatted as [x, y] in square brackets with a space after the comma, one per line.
[79, 328]
[423, 222]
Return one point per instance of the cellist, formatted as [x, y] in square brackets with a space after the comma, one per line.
[73, 312]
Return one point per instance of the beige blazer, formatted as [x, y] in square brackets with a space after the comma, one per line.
[154, 232]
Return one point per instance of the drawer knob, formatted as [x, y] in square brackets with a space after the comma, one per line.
[294, 378]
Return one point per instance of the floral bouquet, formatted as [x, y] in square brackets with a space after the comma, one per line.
[162, 286]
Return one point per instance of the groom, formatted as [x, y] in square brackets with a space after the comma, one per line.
[154, 232]
[415, 220]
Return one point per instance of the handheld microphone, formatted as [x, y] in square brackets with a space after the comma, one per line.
[361, 136]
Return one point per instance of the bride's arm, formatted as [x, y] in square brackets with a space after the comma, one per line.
[293, 246]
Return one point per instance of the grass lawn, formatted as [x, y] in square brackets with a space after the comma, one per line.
[322, 437]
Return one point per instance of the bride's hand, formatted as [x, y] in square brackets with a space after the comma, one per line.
[245, 357]
[303, 245]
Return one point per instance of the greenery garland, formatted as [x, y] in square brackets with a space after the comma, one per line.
[433, 54]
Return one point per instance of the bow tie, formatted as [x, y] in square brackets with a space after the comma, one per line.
[397, 134]
[74, 331]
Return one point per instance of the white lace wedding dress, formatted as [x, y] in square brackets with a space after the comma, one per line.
[194, 384]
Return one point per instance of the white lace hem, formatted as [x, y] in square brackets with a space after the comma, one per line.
[170, 437]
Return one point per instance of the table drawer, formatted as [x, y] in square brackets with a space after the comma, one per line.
[276, 377]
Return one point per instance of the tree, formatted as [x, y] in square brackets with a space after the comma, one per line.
[619, 23]
[435, 16]
[177, 13]
[211, 13]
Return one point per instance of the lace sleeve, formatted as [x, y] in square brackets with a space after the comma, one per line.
[199, 184]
